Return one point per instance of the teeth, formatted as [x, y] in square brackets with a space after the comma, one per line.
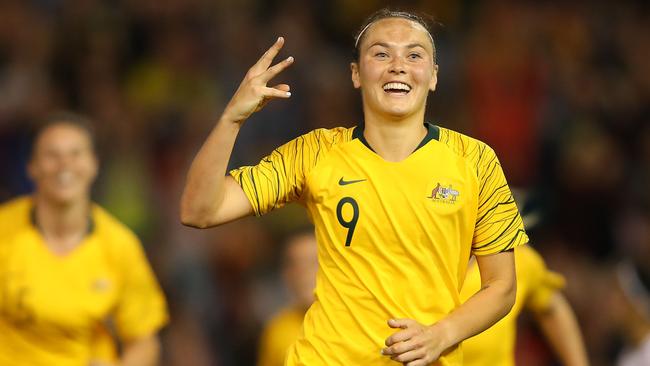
[397, 86]
[64, 177]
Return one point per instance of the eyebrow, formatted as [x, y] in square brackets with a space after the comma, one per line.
[383, 44]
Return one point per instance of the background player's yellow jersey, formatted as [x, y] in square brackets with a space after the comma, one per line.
[52, 307]
[280, 333]
[394, 238]
[535, 287]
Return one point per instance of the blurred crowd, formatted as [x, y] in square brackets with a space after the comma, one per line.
[560, 90]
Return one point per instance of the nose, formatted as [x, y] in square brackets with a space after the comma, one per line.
[397, 66]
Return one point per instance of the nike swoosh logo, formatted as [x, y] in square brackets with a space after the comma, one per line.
[346, 182]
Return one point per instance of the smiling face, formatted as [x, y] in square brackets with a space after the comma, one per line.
[63, 164]
[396, 68]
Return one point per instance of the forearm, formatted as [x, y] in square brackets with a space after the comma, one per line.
[562, 331]
[204, 188]
[141, 352]
[481, 311]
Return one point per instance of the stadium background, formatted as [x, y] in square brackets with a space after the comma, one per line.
[559, 89]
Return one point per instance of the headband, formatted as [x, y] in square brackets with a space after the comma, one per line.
[356, 41]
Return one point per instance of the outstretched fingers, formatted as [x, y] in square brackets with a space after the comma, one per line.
[274, 70]
[267, 58]
[253, 92]
[283, 87]
[276, 93]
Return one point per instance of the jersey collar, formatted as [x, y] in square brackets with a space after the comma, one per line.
[433, 133]
[32, 218]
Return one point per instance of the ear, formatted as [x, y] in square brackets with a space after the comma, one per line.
[356, 80]
[434, 78]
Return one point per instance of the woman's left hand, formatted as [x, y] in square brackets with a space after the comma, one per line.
[415, 344]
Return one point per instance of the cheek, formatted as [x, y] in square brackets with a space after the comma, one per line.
[423, 74]
[369, 70]
[46, 167]
[88, 168]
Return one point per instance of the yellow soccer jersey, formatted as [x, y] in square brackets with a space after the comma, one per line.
[51, 306]
[280, 333]
[394, 238]
[102, 346]
[535, 286]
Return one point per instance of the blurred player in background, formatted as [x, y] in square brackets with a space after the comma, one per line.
[398, 207]
[299, 267]
[69, 271]
[538, 291]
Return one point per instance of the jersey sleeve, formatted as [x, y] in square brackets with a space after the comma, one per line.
[280, 177]
[499, 226]
[543, 283]
[141, 308]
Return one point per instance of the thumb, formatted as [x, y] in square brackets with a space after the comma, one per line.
[399, 323]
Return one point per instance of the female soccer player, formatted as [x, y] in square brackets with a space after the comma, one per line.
[398, 207]
[68, 268]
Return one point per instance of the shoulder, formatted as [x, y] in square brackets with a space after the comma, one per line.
[472, 149]
[325, 137]
[14, 214]
[305, 151]
[108, 227]
[528, 259]
[286, 319]
[16, 205]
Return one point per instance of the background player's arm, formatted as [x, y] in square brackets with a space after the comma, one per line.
[419, 345]
[560, 327]
[210, 197]
[141, 352]
[144, 351]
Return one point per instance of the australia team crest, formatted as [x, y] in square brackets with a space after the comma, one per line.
[444, 194]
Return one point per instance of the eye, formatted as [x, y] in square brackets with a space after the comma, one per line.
[381, 54]
[415, 56]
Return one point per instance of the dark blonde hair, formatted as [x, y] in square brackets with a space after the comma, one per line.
[424, 20]
[79, 121]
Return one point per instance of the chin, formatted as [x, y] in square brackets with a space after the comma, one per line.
[399, 109]
[398, 112]
[63, 197]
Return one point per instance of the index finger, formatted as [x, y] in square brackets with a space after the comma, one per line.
[401, 336]
[265, 61]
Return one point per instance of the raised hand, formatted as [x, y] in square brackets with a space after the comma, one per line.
[415, 344]
[253, 93]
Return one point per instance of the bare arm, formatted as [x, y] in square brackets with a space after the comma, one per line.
[144, 351]
[210, 197]
[561, 330]
[141, 352]
[419, 345]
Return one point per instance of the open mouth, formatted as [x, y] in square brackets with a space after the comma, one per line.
[65, 179]
[397, 88]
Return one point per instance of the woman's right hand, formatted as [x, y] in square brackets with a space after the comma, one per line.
[253, 94]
